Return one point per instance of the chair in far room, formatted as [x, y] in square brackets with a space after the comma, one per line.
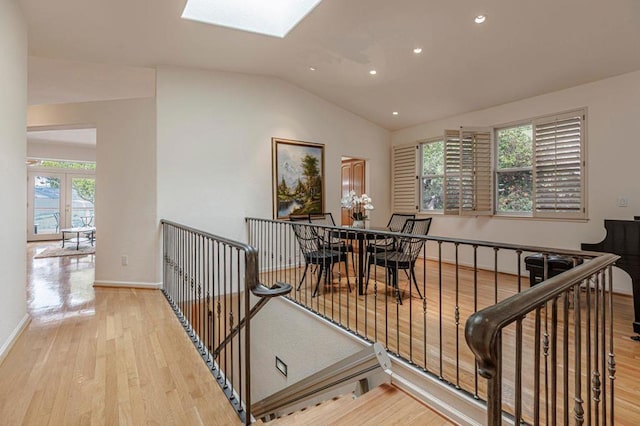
[326, 239]
[397, 223]
[404, 257]
[315, 254]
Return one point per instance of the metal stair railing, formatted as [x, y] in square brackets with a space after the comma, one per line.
[208, 281]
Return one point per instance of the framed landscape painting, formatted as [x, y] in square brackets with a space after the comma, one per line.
[298, 178]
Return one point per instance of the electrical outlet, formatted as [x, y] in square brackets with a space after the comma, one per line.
[124, 259]
[623, 202]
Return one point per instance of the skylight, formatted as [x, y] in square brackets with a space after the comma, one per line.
[271, 17]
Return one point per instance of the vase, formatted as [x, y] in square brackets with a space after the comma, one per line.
[358, 224]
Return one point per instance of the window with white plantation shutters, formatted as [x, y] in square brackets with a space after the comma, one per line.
[468, 178]
[559, 166]
[405, 178]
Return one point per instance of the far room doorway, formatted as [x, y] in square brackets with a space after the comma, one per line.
[353, 179]
[61, 181]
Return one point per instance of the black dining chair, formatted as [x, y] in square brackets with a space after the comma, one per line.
[397, 223]
[315, 254]
[404, 257]
[326, 239]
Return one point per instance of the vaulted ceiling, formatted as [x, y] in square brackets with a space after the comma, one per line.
[525, 48]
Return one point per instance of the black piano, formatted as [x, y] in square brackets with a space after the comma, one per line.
[623, 239]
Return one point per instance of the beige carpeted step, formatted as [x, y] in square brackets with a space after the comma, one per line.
[384, 405]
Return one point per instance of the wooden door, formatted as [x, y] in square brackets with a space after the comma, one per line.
[353, 179]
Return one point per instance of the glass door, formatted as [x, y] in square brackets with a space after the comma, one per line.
[46, 214]
[82, 193]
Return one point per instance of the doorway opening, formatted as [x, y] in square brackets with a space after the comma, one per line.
[353, 179]
[61, 182]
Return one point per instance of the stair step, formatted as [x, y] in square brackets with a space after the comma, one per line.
[383, 405]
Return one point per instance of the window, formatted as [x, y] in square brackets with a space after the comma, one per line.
[514, 169]
[540, 167]
[536, 168]
[432, 175]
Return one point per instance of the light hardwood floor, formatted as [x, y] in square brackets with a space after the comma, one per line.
[103, 356]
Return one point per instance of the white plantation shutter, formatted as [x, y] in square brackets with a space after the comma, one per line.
[559, 166]
[451, 171]
[468, 179]
[405, 178]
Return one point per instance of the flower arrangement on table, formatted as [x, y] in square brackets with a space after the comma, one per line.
[359, 206]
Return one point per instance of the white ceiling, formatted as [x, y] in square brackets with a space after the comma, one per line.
[81, 137]
[525, 48]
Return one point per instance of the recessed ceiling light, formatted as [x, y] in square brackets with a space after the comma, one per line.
[480, 19]
[395, 113]
[373, 72]
[417, 50]
[274, 17]
[312, 69]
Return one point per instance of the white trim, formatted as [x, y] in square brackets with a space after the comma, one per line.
[13, 337]
[128, 284]
[452, 404]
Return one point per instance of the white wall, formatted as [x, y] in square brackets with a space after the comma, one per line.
[125, 184]
[13, 137]
[299, 339]
[612, 149]
[214, 146]
[60, 151]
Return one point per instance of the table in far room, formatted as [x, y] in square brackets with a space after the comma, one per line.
[87, 231]
[361, 237]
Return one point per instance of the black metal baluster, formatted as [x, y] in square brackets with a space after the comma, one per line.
[612, 360]
[603, 333]
[495, 275]
[536, 369]
[588, 352]
[578, 409]
[457, 318]
[554, 361]
[518, 373]
[424, 306]
[440, 375]
[565, 355]
[595, 377]
[475, 309]
[519, 254]
[241, 294]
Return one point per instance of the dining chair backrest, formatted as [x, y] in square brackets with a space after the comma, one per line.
[327, 220]
[299, 218]
[322, 219]
[307, 238]
[411, 246]
[397, 221]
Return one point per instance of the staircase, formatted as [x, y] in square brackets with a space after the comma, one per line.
[383, 405]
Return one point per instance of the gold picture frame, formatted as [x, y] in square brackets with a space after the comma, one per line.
[298, 177]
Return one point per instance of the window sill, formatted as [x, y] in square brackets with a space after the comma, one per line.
[506, 217]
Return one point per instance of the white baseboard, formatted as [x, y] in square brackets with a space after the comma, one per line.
[128, 284]
[13, 337]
